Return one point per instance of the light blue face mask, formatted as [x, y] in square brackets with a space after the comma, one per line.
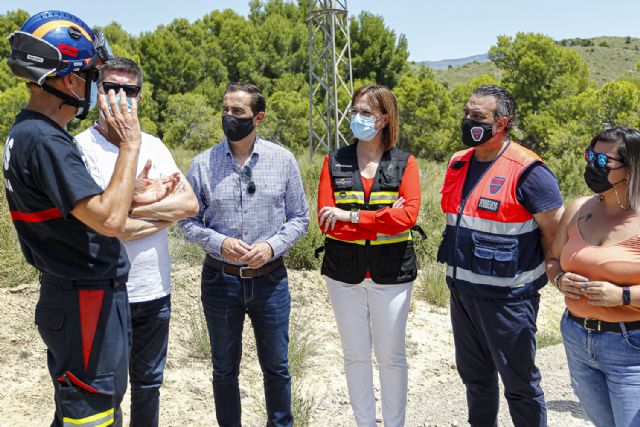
[93, 98]
[118, 103]
[363, 128]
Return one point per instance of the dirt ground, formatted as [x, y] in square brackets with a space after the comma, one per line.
[436, 395]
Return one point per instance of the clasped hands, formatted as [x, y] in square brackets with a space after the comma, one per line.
[238, 252]
[597, 292]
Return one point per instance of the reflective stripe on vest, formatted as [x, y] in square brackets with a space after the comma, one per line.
[98, 420]
[381, 239]
[349, 197]
[495, 227]
[385, 239]
[505, 282]
[383, 197]
[491, 238]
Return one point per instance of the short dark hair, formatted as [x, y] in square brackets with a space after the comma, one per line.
[505, 103]
[121, 64]
[258, 103]
[628, 140]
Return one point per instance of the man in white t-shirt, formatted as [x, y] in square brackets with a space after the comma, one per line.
[145, 240]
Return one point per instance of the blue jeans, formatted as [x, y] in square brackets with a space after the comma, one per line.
[150, 323]
[497, 337]
[605, 373]
[226, 299]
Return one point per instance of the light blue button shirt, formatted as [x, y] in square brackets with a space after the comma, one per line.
[276, 213]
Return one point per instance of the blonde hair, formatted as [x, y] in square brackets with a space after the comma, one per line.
[383, 100]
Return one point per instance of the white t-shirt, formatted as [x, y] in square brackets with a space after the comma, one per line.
[149, 278]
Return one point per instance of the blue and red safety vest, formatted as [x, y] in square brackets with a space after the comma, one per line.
[491, 243]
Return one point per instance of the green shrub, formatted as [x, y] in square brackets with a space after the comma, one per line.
[183, 252]
[548, 338]
[303, 345]
[431, 285]
[301, 255]
[198, 335]
[14, 269]
[569, 171]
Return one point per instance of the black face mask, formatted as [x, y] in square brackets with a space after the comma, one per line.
[475, 133]
[236, 128]
[597, 179]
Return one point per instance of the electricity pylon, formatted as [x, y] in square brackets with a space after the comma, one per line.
[330, 76]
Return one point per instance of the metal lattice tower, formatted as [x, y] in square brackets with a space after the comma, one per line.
[330, 78]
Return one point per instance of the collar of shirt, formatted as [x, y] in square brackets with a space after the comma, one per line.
[256, 151]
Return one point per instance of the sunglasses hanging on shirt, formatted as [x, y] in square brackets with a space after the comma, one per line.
[246, 173]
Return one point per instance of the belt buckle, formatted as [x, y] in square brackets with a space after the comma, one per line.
[597, 328]
[242, 270]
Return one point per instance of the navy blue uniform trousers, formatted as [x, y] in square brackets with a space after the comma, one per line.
[497, 336]
[86, 326]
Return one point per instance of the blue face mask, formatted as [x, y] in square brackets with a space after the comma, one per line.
[363, 128]
[93, 98]
[118, 103]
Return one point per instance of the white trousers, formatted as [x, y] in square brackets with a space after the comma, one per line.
[368, 314]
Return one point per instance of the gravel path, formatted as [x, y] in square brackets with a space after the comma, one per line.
[436, 395]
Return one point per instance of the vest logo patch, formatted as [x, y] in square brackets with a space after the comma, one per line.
[488, 204]
[496, 184]
[343, 194]
[343, 181]
[476, 133]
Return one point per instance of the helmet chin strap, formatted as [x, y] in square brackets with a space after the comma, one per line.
[82, 104]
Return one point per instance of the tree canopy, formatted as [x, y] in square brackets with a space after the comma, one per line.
[187, 66]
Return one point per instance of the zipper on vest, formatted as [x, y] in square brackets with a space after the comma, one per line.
[463, 203]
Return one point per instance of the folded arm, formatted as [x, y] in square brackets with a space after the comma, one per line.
[179, 204]
[136, 228]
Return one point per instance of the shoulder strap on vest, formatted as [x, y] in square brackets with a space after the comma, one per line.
[344, 155]
[459, 158]
[517, 153]
[397, 157]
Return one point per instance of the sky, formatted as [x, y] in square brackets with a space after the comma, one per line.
[435, 29]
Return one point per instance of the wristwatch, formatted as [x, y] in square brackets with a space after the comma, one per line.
[355, 216]
[626, 296]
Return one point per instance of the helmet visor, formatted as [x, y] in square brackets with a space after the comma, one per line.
[103, 50]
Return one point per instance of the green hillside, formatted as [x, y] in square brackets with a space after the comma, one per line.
[608, 58]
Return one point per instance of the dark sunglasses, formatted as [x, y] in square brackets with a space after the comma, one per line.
[601, 159]
[132, 91]
[246, 172]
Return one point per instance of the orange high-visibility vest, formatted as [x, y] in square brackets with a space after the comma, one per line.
[491, 243]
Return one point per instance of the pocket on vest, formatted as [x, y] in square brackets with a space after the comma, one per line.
[341, 261]
[494, 255]
[394, 263]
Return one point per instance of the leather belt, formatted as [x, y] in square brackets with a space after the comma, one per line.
[602, 326]
[243, 272]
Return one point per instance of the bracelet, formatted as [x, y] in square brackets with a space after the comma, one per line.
[556, 279]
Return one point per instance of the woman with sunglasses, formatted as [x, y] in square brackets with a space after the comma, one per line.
[596, 265]
[368, 201]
